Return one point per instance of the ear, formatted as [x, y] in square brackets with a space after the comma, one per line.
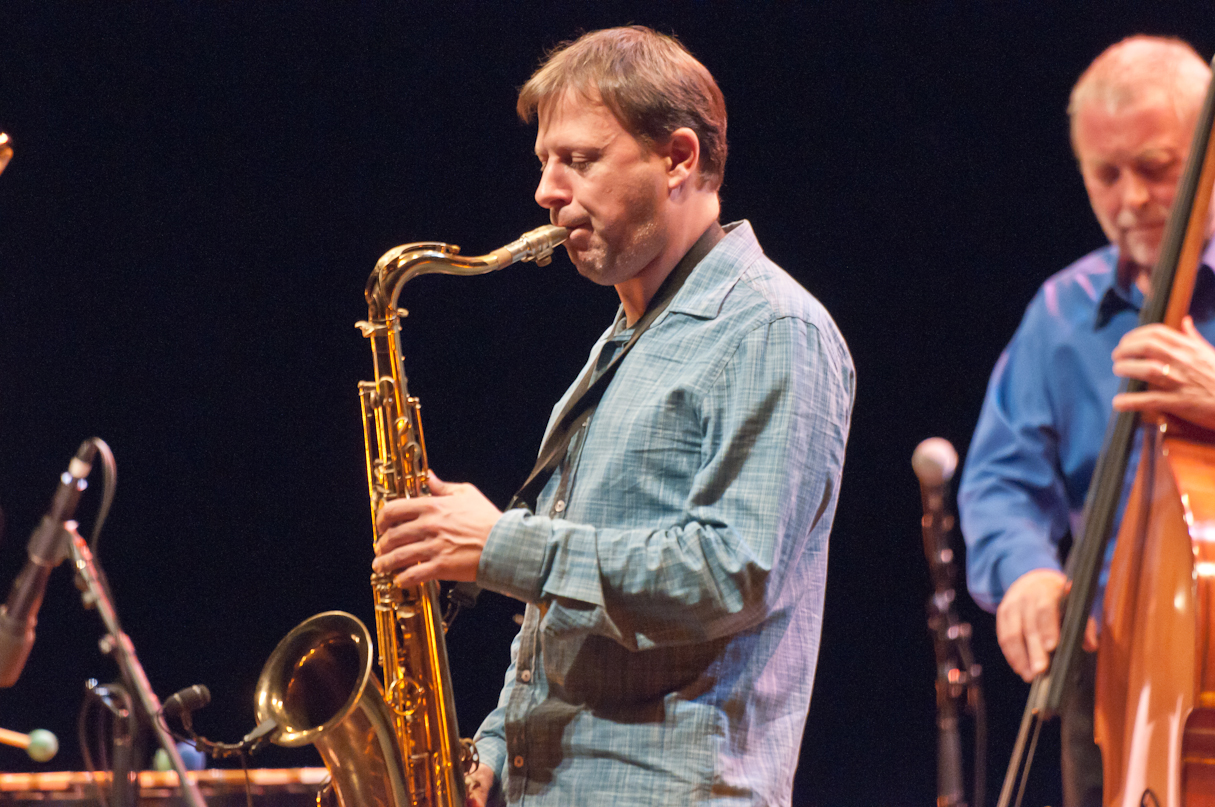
[682, 155]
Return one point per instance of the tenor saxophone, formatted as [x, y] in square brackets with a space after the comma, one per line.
[395, 745]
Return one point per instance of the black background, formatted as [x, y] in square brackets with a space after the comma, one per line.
[199, 191]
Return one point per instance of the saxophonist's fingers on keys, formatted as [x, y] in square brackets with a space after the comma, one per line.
[397, 557]
[419, 573]
[400, 511]
[437, 486]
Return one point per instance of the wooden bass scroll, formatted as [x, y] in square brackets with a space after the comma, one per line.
[1155, 700]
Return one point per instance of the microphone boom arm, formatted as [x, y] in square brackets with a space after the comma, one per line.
[95, 594]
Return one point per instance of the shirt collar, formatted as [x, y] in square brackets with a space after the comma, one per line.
[706, 288]
[1118, 297]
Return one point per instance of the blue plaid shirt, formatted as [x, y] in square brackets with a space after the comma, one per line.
[675, 567]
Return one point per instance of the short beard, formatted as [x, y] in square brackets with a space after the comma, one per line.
[646, 240]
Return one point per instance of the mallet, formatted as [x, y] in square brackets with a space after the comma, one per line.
[40, 744]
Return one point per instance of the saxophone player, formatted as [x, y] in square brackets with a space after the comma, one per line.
[673, 557]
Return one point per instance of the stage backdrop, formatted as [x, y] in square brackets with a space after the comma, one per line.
[199, 191]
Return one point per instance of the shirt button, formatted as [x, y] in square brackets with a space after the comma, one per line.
[517, 762]
[559, 507]
[525, 676]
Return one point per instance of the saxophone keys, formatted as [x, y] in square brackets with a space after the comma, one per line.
[406, 696]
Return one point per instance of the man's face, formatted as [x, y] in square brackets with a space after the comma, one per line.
[1131, 160]
[602, 184]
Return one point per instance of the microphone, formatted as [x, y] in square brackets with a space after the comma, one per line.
[185, 701]
[48, 546]
[934, 461]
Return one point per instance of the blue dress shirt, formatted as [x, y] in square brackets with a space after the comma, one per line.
[675, 567]
[1044, 420]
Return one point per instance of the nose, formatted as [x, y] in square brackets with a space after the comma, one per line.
[1135, 193]
[552, 192]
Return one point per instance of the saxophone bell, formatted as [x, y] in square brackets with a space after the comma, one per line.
[319, 688]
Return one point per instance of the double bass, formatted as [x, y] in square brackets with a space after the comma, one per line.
[1155, 700]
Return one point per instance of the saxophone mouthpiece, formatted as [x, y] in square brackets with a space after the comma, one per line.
[538, 244]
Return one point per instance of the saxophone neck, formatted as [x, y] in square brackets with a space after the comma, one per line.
[399, 265]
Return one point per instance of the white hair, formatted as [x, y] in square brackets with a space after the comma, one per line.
[1138, 68]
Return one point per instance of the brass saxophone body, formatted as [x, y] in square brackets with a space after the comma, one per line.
[399, 745]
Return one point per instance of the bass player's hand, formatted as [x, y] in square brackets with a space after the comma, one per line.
[1179, 366]
[1027, 622]
[436, 537]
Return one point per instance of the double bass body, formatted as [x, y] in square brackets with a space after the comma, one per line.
[1155, 717]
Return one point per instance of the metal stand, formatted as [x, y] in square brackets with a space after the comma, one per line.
[95, 594]
[958, 676]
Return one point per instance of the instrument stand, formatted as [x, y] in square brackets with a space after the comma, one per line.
[90, 579]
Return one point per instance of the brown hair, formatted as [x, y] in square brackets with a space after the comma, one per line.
[648, 80]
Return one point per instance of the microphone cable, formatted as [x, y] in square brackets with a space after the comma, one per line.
[109, 482]
[118, 731]
[181, 704]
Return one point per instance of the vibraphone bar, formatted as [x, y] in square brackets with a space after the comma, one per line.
[270, 787]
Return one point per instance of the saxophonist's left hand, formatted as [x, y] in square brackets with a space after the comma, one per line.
[436, 537]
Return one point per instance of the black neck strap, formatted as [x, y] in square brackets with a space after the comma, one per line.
[587, 394]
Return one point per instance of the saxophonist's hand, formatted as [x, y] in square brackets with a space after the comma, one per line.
[478, 785]
[436, 537]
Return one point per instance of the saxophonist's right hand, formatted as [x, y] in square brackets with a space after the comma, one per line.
[435, 537]
[478, 785]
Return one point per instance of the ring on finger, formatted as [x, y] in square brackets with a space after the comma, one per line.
[1164, 371]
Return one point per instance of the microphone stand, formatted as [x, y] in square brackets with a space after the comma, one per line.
[95, 593]
[958, 676]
